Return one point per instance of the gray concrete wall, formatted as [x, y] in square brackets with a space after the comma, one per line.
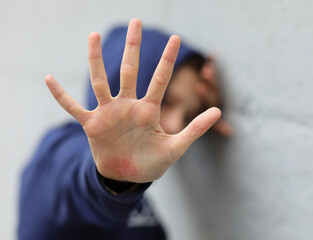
[258, 184]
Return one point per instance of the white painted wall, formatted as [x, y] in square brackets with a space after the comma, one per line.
[257, 185]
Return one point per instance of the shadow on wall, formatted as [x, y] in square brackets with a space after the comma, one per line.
[208, 171]
[205, 171]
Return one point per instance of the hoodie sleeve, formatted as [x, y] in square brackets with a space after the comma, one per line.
[60, 186]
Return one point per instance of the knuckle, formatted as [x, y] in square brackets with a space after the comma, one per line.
[129, 68]
[169, 59]
[96, 79]
[160, 79]
[72, 109]
[132, 42]
[58, 94]
[94, 56]
[196, 130]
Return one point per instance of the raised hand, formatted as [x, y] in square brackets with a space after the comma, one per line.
[125, 137]
[210, 92]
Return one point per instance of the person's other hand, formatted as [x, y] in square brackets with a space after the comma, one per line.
[209, 90]
[125, 137]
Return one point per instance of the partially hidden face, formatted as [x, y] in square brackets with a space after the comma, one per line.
[181, 102]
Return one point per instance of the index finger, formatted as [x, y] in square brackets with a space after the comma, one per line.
[163, 72]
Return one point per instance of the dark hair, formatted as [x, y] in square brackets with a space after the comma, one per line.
[194, 60]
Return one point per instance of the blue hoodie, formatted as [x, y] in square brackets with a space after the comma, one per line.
[61, 196]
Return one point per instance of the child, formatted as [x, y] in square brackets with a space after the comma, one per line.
[87, 178]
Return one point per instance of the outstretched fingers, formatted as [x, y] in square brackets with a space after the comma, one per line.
[130, 62]
[193, 131]
[163, 72]
[66, 101]
[98, 75]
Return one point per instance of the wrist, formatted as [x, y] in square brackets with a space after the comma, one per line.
[116, 187]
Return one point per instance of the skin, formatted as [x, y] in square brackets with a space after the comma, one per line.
[188, 93]
[124, 134]
[182, 102]
[208, 89]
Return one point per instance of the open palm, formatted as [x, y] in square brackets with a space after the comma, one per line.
[125, 136]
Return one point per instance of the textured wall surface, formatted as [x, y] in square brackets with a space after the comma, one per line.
[256, 185]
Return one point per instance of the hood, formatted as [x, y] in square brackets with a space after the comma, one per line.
[152, 46]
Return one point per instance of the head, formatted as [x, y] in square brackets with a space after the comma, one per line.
[182, 102]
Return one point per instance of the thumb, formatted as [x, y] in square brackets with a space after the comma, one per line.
[193, 131]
